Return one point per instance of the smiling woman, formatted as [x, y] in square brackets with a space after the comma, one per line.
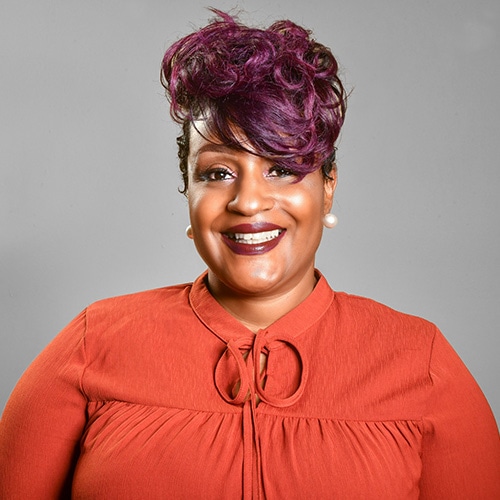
[257, 380]
[249, 217]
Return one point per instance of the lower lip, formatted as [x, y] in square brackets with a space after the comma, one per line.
[258, 249]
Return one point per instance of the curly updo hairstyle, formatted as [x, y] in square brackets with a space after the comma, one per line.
[277, 85]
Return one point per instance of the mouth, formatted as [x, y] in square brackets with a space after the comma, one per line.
[253, 239]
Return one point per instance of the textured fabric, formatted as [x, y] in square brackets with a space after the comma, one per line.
[154, 395]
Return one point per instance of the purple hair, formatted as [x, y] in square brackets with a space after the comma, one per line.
[278, 86]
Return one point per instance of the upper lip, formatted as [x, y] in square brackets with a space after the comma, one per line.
[256, 227]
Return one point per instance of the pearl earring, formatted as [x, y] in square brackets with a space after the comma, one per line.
[330, 220]
[189, 232]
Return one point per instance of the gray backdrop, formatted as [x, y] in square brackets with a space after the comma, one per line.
[88, 198]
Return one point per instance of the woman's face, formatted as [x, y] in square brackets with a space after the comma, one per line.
[253, 224]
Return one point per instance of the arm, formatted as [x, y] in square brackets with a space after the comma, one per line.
[461, 447]
[43, 420]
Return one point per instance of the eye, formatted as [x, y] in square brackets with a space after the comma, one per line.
[216, 174]
[281, 172]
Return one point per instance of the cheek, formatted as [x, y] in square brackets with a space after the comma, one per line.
[198, 202]
[306, 204]
[197, 211]
[204, 207]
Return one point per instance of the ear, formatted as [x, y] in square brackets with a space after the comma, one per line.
[329, 186]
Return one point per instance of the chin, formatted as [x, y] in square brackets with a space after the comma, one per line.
[252, 285]
[253, 282]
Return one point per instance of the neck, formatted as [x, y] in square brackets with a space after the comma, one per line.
[259, 310]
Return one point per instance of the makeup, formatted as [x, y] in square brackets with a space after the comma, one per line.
[253, 239]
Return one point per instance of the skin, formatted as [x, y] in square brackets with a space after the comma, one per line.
[228, 187]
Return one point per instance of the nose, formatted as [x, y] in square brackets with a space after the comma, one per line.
[252, 194]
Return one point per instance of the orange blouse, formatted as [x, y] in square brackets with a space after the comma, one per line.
[153, 395]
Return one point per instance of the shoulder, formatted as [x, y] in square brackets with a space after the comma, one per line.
[142, 298]
[140, 308]
[372, 319]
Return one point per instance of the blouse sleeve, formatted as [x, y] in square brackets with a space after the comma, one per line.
[461, 447]
[43, 421]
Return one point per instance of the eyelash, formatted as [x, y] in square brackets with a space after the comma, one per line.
[210, 175]
[218, 174]
[282, 172]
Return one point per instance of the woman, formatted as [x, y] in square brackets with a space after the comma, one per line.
[257, 380]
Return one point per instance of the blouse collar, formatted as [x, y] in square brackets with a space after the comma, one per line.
[227, 327]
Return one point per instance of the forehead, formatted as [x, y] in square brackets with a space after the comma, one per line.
[200, 139]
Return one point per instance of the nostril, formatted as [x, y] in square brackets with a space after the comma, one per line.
[251, 201]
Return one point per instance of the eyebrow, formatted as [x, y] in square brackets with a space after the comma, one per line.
[215, 148]
[211, 147]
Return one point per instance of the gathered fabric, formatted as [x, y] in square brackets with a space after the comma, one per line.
[248, 385]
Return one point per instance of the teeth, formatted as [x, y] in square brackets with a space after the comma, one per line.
[255, 238]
